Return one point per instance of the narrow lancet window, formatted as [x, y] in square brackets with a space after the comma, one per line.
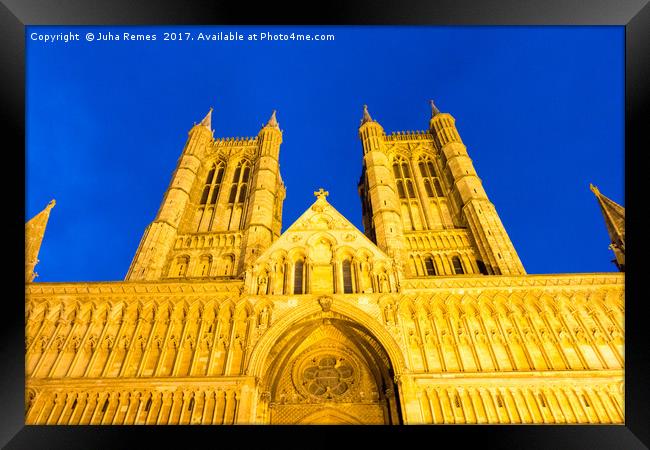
[347, 277]
[458, 266]
[297, 278]
[428, 264]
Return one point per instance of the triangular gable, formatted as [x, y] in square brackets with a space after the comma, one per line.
[321, 218]
[323, 241]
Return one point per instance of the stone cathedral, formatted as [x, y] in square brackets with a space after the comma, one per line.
[425, 317]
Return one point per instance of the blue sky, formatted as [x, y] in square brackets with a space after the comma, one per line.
[540, 109]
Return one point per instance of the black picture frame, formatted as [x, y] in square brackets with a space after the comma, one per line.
[16, 14]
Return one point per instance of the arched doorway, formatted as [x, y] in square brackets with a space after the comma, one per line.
[328, 371]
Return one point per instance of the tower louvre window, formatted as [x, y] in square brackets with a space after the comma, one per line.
[297, 278]
[400, 189]
[427, 187]
[403, 177]
[458, 266]
[233, 194]
[436, 183]
[409, 186]
[212, 183]
[242, 194]
[240, 183]
[431, 180]
[481, 267]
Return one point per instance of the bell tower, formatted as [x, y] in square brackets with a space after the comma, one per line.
[224, 204]
[423, 203]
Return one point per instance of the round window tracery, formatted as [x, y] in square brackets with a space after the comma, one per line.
[328, 375]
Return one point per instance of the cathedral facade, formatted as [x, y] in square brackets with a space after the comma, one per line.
[425, 317]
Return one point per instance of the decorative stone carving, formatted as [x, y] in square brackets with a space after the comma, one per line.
[325, 303]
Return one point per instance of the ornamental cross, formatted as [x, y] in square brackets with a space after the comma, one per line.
[321, 194]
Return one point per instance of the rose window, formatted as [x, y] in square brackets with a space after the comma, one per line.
[328, 376]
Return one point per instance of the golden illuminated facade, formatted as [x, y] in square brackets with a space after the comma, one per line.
[426, 317]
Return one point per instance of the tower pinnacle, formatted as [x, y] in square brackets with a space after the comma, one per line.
[366, 115]
[207, 120]
[34, 231]
[614, 215]
[434, 109]
[273, 121]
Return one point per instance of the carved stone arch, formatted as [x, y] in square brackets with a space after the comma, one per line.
[180, 309]
[564, 303]
[343, 252]
[261, 303]
[209, 310]
[399, 154]
[533, 306]
[485, 302]
[278, 257]
[100, 310]
[289, 345]
[297, 254]
[119, 309]
[517, 304]
[363, 253]
[226, 311]
[195, 309]
[146, 310]
[502, 305]
[405, 307]
[438, 306]
[454, 308]
[421, 306]
[321, 221]
[548, 304]
[470, 306]
[243, 309]
[52, 310]
[163, 309]
[255, 366]
[579, 300]
[319, 235]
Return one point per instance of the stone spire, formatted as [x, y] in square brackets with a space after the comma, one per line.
[34, 231]
[273, 121]
[434, 109]
[366, 115]
[614, 215]
[207, 120]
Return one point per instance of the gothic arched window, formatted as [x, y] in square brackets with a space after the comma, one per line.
[428, 264]
[347, 277]
[240, 182]
[458, 266]
[204, 266]
[180, 269]
[430, 177]
[213, 183]
[481, 267]
[297, 278]
[403, 178]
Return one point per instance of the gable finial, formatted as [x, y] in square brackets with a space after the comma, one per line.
[321, 194]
